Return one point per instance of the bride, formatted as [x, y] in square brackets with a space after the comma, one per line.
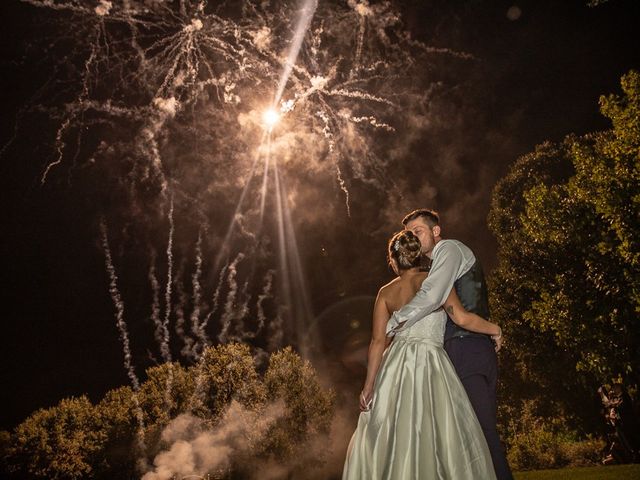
[416, 421]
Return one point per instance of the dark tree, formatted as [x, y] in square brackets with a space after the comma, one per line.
[567, 287]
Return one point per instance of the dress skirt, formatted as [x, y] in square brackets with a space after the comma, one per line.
[421, 424]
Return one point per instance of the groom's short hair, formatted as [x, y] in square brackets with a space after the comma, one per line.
[431, 217]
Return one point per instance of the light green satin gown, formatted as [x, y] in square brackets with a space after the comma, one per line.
[421, 424]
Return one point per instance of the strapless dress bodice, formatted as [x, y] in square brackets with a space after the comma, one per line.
[430, 329]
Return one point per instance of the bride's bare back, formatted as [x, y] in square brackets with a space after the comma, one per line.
[401, 290]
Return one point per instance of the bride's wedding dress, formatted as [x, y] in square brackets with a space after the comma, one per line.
[421, 424]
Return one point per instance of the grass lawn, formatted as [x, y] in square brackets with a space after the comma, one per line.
[611, 472]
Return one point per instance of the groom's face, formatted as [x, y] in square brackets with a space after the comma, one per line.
[424, 232]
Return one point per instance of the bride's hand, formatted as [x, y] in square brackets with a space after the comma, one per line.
[366, 396]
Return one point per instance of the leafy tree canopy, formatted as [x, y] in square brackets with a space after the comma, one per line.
[567, 285]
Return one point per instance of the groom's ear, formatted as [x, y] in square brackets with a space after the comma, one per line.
[436, 231]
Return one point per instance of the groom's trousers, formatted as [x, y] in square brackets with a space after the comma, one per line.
[475, 361]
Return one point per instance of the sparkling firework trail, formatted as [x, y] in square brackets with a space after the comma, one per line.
[164, 347]
[328, 135]
[215, 301]
[196, 328]
[118, 303]
[179, 311]
[122, 328]
[242, 311]
[230, 308]
[155, 304]
[264, 296]
[166, 337]
[211, 108]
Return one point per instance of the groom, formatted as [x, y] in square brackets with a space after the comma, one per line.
[472, 354]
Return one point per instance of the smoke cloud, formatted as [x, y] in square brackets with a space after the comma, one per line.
[195, 449]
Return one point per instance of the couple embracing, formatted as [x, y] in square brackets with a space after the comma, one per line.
[429, 399]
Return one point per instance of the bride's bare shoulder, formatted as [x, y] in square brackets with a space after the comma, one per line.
[389, 288]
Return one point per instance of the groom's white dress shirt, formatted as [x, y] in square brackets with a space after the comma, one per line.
[450, 259]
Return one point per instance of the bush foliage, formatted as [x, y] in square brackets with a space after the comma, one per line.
[120, 436]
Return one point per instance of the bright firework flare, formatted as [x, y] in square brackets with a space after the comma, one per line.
[270, 117]
[158, 107]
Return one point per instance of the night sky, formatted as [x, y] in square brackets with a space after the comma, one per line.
[536, 73]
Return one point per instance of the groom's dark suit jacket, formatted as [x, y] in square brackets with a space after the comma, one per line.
[472, 290]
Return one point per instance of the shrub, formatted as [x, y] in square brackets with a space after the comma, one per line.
[58, 442]
[542, 441]
[583, 453]
[221, 407]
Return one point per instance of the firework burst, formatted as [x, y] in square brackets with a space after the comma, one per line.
[169, 115]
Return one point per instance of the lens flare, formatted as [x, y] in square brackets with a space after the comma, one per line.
[270, 117]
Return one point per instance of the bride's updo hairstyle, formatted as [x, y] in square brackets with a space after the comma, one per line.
[404, 248]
